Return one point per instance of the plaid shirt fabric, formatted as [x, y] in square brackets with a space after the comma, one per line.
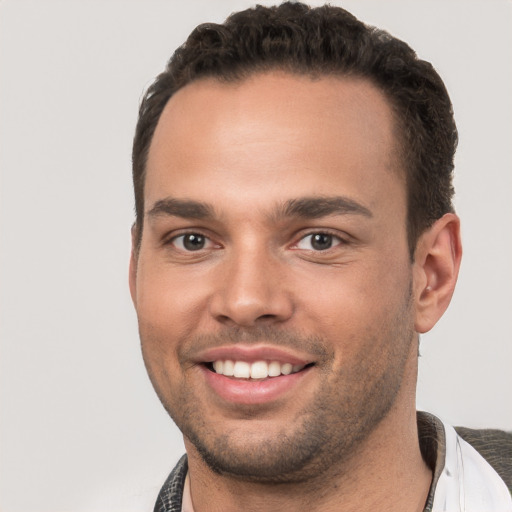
[494, 445]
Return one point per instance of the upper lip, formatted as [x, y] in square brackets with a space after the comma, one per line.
[251, 353]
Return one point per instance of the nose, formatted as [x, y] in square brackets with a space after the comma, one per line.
[251, 290]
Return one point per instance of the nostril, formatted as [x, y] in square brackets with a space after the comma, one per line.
[248, 309]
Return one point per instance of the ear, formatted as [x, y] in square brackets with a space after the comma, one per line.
[436, 267]
[132, 277]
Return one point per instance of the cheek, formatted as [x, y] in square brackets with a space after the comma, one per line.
[356, 307]
[351, 290]
[169, 302]
[164, 320]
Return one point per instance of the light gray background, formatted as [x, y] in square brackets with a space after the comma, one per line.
[81, 429]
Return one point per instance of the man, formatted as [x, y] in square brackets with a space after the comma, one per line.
[294, 236]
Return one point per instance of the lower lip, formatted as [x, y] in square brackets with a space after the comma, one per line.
[250, 392]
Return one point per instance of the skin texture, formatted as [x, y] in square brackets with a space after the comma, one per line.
[345, 432]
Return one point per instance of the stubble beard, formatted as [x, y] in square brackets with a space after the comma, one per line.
[327, 432]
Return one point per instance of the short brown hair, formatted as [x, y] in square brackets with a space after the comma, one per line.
[321, 41]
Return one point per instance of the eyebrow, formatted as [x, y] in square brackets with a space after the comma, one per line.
[302, 207]
[316, 207]
[184, 208]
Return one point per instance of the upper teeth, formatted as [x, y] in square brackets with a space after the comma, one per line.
[256, 370]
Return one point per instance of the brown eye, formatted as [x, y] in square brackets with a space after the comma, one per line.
[190, 242]
[318, 242]
[321, 241]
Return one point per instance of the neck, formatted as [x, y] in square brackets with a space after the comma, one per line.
[386, 473]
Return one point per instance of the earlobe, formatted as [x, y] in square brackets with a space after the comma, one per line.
[436, 268]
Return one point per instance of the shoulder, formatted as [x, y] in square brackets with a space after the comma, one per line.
[495, 446]
[171, 494]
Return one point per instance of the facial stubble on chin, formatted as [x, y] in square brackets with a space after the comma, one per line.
[327, 431]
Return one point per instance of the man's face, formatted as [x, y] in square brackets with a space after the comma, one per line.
[274, 240]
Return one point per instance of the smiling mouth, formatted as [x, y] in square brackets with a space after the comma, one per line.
[256, 370]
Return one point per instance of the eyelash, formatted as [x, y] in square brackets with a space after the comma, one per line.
[336, 239]
[183, 236]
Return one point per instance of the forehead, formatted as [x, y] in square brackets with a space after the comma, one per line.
[273, 133]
